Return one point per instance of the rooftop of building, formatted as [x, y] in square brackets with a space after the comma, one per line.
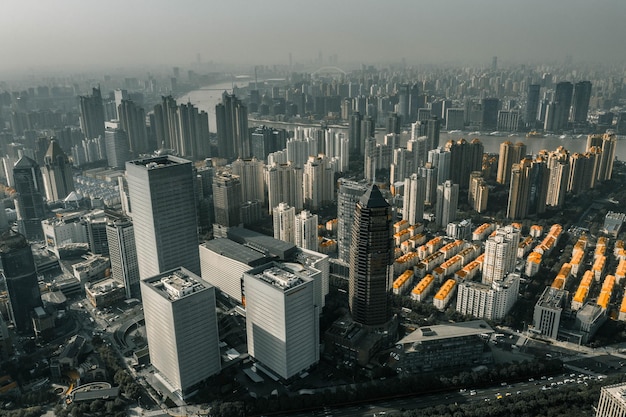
[177, 284]
[236, 251]
[104, 286]
[266, 244]
[159, 161]
[552, 298]
[446, 331]
[280, 276]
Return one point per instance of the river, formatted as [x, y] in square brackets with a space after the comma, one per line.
[206, 98]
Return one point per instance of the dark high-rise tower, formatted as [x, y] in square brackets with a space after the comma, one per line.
[18, 269]
[92, 115]
[231, 117]
[580, 103]
[227, 202]
[354, 134]
[371, 259]
[57, 173]
[562, 103]
[489, 120]
[532, 105]
[29, 202]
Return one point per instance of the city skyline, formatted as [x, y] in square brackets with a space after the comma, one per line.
[80, 36]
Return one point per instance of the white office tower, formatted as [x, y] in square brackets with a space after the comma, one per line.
[284, 222]
[123, 254]
[284, 184]
[181, 328]
[299, 150]
[612, 402]
[318, 182]
[281, 320]
[413, 201]
[440, 159]
[348, 195]
[251, 174]
[419, 150]
[490, 302]
[500, 254]
[306, 230]
[447, 201]
[164, 214]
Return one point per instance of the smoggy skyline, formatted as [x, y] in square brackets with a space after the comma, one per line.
[78, 35]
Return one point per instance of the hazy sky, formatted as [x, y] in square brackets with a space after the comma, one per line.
[82, 34]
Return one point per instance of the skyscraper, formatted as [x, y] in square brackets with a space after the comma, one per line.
[284, 218]
[489, 120]
[509, 154]
[133, 122]
[226, 202]
[447, 202]
[231, 117]
[281, 319]
[500, 254]
[57, 173]
[181, 328]
[354, 133]
[116, 141]
[519, 190]
[284, 184]
[306, 233]
[371, 259]
[123, 254]
[532, 105]
[349, 194]
[558, 168]
[562, 101]
[164, 214]
[414, 197]
[318, 182]
[29, 201]
[20, 275]
[251, 175]
[92, 114]
[580, 102]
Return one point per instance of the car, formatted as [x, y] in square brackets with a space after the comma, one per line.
[472, 392]
[504, 384]
[531, 379]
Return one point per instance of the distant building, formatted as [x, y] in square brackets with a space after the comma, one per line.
[57, 173]
[447, 202]
[30, 198]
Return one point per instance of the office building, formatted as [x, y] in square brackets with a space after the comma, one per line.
[284, 222]
[413, 200]
[181, 328]
[500, 254]
[226, 202]
[488, 301]
[57, 173]
[30, 198]
[444, 347]
[251, 176]
[455, 119]
[281, 320]
[231, 117]
[508, 121]
[489, 117]
[447, 202]
[164, 214]
[20, 275]
[306, 230]
[123, 254]
[117, 148]
[561, 105]
[284, 184]
[612, 402]
[371, 259]
[465, 157]
[580, 102]
[349, 194]
[509, 154]
[133, 121]
[532, 105]
[92, 114]
[548, 310]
